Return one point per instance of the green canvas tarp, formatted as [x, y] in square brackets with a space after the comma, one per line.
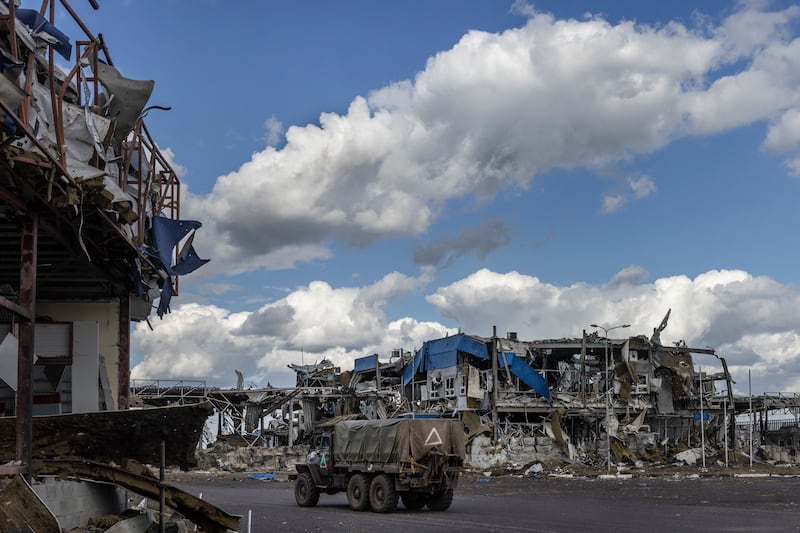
[396, 440]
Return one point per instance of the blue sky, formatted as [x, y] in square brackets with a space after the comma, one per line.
[374, 174]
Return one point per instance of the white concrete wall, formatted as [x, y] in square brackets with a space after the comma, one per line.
[106, 314]
[85, 366]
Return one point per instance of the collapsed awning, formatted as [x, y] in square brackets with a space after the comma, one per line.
[525, 372]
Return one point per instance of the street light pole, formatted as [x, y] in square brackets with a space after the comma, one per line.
[608, 391]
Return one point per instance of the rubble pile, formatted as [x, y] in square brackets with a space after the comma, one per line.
[229, 458]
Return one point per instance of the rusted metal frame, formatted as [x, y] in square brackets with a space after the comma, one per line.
[11, 20]
[169, 189]
[77, 73]
[124, 345]
[27, 299]
[64, 172]
[132, 147]
[87, 46]
[57, 116]
[58, 100]
[77, 19]
[102, 44]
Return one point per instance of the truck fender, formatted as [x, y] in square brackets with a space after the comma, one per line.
[312, 469]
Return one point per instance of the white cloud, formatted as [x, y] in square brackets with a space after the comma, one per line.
[307, 325]
[612, 202]
[642, 187]
[784, 134]
[750, 320]
[192, 342]
[169, 155]
[274, 129]
[491, 113]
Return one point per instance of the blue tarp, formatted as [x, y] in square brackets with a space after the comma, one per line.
[443, 353]
[41, 27]
[369, 362]
[167, 233]
[525, 372]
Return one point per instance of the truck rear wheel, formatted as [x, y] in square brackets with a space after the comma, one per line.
[413, 501]
[440, 501]
[382, 494]
[358, 492]
[306, 492]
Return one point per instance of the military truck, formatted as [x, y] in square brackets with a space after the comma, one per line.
[378, 462]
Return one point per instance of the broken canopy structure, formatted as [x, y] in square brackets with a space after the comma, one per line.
[84, 189]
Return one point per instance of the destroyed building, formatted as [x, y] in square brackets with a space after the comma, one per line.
[91, 239]
[592, 399]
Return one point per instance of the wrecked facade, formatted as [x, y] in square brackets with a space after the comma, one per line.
[89, 219]
[591, 400]
[90, 237]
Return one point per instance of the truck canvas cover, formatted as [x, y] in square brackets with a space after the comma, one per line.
[396, 439]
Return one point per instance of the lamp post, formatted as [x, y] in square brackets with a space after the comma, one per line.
[608, 390]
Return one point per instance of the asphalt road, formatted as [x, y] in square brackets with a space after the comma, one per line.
[510, 504]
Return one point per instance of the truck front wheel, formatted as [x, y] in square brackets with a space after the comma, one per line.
[440, 501]
[358, 492]
[382, 494]
[306, 492]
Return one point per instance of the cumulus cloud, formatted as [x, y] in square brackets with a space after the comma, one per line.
[784, 137]
[493, 112]
[749, 320]
[310, 323]
[481, 240]
[169, 156]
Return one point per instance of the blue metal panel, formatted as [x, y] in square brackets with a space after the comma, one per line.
[370, 362]
[441, 360]
[458, 343]
[525, 372]
[411, 368]
[443, 353]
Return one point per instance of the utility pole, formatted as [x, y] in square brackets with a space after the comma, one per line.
[609, 392]
[494, 381]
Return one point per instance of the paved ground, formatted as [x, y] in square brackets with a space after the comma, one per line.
[545, 504]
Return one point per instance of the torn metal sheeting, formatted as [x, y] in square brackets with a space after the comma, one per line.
[206, 515]
[126, 100]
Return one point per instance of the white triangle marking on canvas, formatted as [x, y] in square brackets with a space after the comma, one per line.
[433, 438]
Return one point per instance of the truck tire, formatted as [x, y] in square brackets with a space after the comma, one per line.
[306, 492]
[358, 492]
[440, 501]
[382, 494]
[413, 501]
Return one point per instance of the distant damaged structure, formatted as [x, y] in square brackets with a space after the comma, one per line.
[592, 399]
